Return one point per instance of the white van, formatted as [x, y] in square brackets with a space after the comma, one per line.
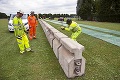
[24, 20]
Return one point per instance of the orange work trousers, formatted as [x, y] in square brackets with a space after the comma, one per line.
[32, 32]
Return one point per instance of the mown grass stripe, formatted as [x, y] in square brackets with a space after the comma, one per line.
[92, 27]
[101, 29]
[102, 58]
[106, 37]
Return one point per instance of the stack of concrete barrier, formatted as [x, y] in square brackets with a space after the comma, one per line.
[68, 52]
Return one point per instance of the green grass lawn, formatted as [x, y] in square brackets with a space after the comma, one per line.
[108, 25]
[40, 65]
[102, 58]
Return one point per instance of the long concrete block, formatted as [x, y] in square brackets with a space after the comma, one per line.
[47, 25]
[68, 52]
[49, 31]
[51, 36]
[73, 47]
[82, 71]
[40, 21]
[67, 62]
[56, 42]
[60, 36]
[43, 26]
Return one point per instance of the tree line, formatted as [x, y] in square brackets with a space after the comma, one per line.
[56, 15]
[3, 15]
[100, 10]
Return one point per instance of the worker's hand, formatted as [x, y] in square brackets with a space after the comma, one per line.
[26, 31]
[19, 37]
[63, 28]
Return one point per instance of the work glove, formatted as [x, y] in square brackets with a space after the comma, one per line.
[63, 28]
[19, 37]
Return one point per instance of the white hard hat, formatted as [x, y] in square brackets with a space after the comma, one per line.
[32, 12]
[20, 11]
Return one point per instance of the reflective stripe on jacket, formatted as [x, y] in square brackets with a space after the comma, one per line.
[18, 26]
[73, 27]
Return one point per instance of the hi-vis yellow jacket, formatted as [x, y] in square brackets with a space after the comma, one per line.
[73, 27]
[19, 28]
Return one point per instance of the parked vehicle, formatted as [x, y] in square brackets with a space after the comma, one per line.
[24, 20]
[61, 19]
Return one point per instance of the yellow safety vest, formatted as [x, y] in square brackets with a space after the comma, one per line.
[73, 27]
[19, 28]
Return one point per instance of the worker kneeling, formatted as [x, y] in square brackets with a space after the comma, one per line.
[20, 32]
[73, 27]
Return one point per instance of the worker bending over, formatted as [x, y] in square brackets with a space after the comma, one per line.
[73, 27]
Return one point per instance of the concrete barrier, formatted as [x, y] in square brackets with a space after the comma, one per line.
[51, 36]
[68, 52]
[70, 57]
[56, 42]
[49, 30]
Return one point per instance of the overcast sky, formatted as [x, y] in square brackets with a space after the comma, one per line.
[39, 6]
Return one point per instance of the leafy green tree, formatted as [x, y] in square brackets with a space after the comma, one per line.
[109, 10]
[3, 15]
[86, 9]
[102, 10]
